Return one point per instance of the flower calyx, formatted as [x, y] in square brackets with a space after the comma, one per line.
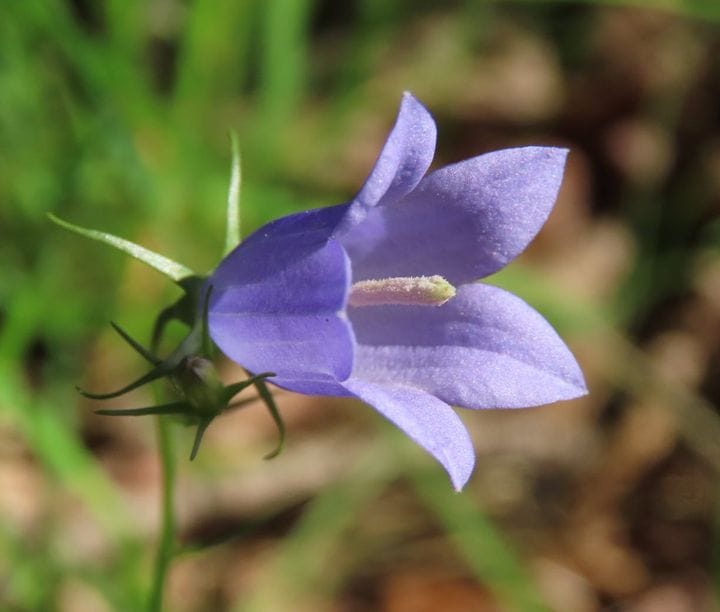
[189, 368]
[202, 394]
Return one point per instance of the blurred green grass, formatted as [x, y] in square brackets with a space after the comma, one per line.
[116, 116]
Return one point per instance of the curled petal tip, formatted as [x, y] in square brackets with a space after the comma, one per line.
[428, 421]
[460, 465]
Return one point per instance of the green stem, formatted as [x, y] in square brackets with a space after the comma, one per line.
[166, 544]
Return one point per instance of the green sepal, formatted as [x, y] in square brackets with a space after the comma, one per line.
[139, 348]
[225, 396]
[199, 433]
[242, 403]
[164, 317]
[161, 370]
[172, 408]
[205, 340]
[172, 269]
[232, 390]
[183, 310]
[232, 230]
[192, 344]
[267, 397]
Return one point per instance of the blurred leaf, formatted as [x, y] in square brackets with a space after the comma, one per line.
[212, 56]
[704, 9]
[283, 78]
[293, 573]
[487, 553]
[58, 448]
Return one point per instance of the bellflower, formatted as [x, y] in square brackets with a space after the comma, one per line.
[376, 298]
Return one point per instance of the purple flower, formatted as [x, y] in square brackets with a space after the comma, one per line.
[420, 335]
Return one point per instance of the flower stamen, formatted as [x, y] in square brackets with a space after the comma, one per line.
[402, 290]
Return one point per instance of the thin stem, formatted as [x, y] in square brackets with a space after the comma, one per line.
[166, 544]
[232, 236]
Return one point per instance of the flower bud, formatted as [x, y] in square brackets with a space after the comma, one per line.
[201, 385]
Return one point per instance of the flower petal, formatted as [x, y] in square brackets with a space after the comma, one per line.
[427, 420]
[403, 161]
[277, 303]
[485, 348]
[464, 221]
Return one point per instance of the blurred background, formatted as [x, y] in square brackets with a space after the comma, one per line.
[116, 115]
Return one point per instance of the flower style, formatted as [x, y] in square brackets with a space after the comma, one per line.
[376, 298]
